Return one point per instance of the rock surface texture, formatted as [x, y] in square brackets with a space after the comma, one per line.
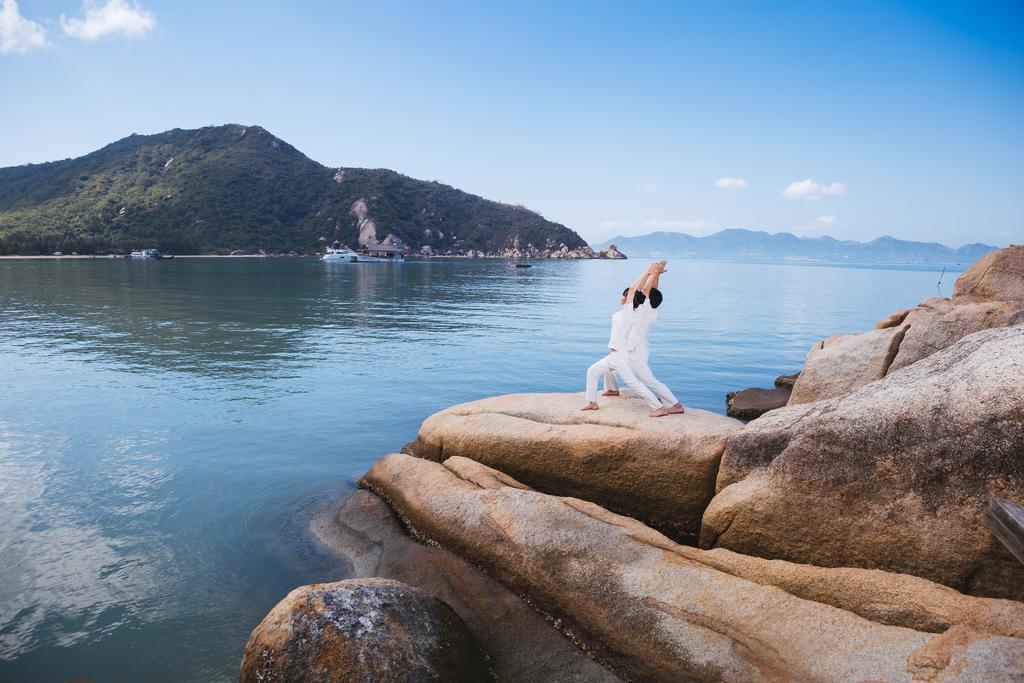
[658, 470]
[988, 295]
[656, 610]
[752, 403]
[999, 276]
[895, 475]
[361, 630]
[936, 323]
[841, 364]
[519, 644]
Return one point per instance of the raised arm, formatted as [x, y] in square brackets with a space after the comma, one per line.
[638, 283]
[654, 273]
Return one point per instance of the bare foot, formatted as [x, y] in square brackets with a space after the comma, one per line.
[660, 412]
[590, 406]
[611, 392]
[677, 409]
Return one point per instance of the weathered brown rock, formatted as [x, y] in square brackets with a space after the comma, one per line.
[895, 475]
[519, 643]
[893, 319]
[936, 323]
[752, 403]
[842, 363]
[786, 381]
[361, 630]
[656, 610]
[998, 276]
[658, 470]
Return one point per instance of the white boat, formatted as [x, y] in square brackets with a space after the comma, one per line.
[371, 253]
[342, 254]
[146, 253]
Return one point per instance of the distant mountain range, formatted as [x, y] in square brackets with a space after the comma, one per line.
[751, 244]
[222, 188]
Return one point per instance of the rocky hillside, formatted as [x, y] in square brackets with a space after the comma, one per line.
[218, 189]
[753, 244]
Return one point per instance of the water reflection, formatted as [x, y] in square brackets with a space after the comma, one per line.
[164, 425]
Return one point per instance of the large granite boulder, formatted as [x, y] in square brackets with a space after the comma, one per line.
[658, 470]
[990, 294]
[361, 630]
[842, 363]
[656, 610]
[936, 323]
[998, 276]
[519, 643]
[895, 475]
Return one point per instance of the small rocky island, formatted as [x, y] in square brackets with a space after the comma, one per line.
[839, 537]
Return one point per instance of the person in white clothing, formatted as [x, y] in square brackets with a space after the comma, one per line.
[639, 347]
[618, 357]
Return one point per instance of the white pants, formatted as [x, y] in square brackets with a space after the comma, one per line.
[619, 362]
[642, 371]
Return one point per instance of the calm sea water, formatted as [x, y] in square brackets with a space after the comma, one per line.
[167, 428]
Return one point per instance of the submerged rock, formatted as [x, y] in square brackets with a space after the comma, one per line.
[752, 403]
[658, 470]
[895, 475]
[656, 610]
[361, 630]
[520, 645]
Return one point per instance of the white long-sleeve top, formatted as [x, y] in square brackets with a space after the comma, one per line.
[639, 336]
[623, 322]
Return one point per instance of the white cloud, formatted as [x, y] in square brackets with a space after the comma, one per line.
[18, 35]
[728, 183]
[810, 190]
[114, 17]
[828, 220]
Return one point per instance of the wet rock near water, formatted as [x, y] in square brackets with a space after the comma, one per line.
[752, 403]
[659, 470]
[786, 381]
[361, 630]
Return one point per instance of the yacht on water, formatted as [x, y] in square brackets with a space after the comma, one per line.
[371, 253]
[146, 253]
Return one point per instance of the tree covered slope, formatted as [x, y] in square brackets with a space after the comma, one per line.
[222, 188]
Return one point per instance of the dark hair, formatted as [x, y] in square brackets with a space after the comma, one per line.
[655, 297]
[638, 297]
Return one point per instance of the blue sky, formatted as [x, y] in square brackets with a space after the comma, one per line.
[613, 118]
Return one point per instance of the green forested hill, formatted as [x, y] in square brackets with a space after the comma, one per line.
[222, 188]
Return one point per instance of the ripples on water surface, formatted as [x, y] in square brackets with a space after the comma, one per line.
[166, 427]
